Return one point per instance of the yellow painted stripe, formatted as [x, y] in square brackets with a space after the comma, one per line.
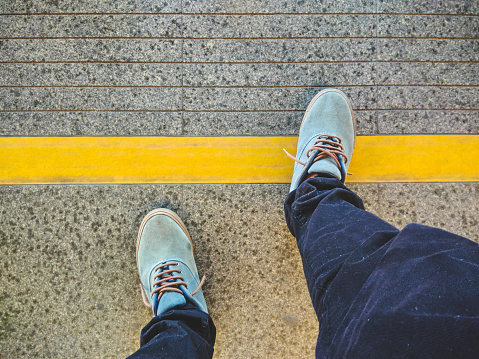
[75, 160]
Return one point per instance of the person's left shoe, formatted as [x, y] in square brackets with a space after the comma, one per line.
[164, 253]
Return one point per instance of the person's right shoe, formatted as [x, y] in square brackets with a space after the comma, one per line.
[326, 138]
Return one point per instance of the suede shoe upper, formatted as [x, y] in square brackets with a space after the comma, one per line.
[326, 137]
[166, 265]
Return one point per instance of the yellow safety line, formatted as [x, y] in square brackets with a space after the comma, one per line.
[87, 160]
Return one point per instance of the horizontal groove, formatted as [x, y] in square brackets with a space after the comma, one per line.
[238, 62]
[240, 111]
[233, 14]
[89, 13]
[420, 109]
[80, 110]
[379, 134]
[357, 109]
[227, 87]
[238, 38]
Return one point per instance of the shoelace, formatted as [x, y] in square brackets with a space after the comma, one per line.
[169, 282]
[327, 146]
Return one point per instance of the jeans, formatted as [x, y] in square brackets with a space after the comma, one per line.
[378, 292]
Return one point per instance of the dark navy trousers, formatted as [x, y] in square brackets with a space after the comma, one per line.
[185, 332]
[378, 292]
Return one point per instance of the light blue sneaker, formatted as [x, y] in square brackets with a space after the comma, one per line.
[326, 138]
[167, 268]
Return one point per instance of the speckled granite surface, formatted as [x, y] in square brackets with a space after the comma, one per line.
[68, 284]
[69, 280]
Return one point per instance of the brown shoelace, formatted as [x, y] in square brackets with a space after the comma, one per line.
[169, 282]
[327, 147]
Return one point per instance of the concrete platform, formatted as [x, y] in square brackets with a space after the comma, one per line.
[68, 284]
[69, 278]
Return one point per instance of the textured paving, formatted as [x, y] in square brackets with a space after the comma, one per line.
[68, 285]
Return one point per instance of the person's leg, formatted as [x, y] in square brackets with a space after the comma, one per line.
[339, 243]
[185, 332]
[377, 291]
[170, 285]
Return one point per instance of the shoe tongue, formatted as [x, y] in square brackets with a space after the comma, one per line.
[326, 165]
[170, 300]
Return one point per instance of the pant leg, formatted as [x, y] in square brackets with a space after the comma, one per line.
[185, 332]
[379, 292]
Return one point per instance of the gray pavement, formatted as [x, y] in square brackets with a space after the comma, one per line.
[68, 284]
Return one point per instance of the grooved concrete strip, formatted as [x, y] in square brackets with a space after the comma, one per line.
[240, 26]
[428, 121]
[91, 26]
[279, 6]
[302, 75]
[77, 123]
[264, 99]
[80, 50]
[73, 99]
[281, 50]
[427, 50]
[428, 7]
[237, 50]
[425, 73]
[231, 99]
[260, 123]
[90, 6]
[242, 6]
[122, 74]
[71, 123]
[219, 123]
[428, 26]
